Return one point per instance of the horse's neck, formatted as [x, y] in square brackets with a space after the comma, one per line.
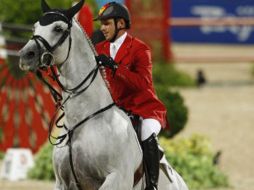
[80, 63]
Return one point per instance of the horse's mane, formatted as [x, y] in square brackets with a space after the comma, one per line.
[86, 37]
[91, 45]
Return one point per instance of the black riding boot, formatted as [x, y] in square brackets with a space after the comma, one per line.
[151, 158]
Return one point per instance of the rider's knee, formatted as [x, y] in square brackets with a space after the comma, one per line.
[148, 127]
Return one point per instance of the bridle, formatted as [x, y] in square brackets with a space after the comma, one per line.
[44, 65]
[46, 60]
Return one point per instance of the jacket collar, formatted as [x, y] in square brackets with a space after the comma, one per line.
[119, 41]
[123, 50]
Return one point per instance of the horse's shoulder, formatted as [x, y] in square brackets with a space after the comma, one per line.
[118, 115]
[117, 118]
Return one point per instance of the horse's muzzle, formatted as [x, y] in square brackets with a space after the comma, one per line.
[28, 57]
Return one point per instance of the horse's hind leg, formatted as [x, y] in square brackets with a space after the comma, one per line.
[116, 181]
[180, 182]
[176, 182]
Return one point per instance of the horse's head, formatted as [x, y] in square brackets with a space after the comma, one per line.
[51, 41]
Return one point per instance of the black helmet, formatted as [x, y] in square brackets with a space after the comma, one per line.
[114, 10]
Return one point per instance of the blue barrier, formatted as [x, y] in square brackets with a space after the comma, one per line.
[103, 2]
[216, 9]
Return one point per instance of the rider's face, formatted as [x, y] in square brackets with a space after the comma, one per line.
[108, 28]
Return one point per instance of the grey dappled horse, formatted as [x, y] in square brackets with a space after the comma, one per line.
[102, 151]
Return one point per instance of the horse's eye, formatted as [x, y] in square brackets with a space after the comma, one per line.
[58, 29]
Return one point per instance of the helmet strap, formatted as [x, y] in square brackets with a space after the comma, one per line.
[116, 31]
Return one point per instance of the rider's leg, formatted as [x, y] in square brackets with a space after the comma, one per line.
[150, 129]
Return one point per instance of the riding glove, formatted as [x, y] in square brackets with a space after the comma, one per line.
[106, 62]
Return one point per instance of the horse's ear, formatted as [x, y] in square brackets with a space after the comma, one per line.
[73, 10]
[45, 7]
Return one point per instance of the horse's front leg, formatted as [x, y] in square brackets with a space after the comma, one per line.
[59, 161]
[117, 181]
[58, 185]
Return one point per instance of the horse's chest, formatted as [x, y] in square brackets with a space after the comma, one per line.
[88, 161]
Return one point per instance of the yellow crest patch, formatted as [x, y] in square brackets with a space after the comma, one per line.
[103, 9]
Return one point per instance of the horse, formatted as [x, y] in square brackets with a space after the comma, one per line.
[98, 148]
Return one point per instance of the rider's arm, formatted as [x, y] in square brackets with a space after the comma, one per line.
[139, 74]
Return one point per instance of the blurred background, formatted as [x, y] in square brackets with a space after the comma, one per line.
[203, 72]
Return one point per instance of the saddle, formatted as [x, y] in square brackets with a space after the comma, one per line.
[136, 123]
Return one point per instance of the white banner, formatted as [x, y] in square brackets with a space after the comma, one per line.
[16, 164]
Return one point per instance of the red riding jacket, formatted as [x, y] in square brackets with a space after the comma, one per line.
[131, 86]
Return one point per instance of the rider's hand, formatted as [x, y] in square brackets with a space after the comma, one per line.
[106, 62]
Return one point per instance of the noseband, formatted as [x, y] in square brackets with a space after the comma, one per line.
[46, 58]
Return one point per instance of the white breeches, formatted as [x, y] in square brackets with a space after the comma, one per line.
[148, 127]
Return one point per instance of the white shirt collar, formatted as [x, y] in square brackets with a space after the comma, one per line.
[117, 43]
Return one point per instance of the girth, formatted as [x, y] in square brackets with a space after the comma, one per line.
[138, 174]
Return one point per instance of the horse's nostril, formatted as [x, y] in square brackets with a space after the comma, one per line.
[30, 54]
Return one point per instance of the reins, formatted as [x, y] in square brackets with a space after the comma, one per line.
[60, 102]
[75, 91]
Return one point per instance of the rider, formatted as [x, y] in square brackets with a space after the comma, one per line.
[129, 74]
